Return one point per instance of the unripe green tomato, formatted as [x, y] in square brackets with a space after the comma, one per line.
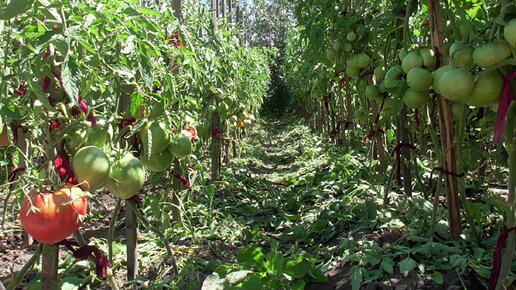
[351, 36]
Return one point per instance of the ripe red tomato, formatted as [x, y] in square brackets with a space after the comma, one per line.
[58, 214]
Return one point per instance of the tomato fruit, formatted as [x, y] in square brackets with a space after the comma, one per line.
[75, 141]
[419, 79]
[222, 108]
[159, 135]
[352, 71]
[412, 60]
[58, 215]
[240, 124]
[360, 60]
[190, 132]
[456, 84]
[158, 162]
[91, 167]
[352, 36]
[487, 89]
[379, 73]
[429, 59]
[415, 99]
[97, 136]
[489, 54]
[393, 76]
[402, 53]
[372, 92]
[509, 32]
[127, 177]
[462, 53]
[437, 76]
[180, 146]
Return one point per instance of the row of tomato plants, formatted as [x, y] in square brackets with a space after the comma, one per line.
[362, 68]
[108, 93]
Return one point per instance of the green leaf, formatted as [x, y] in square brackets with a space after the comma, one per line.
[297, 285]
[146, 71]
[137, 100]
[275, 262]
[317, 276]
[406, 266]
[252, 255]
[70, 76]
[213, 282]
[357, 277]
[298, 268]
[387, 265]
[236, 277]
[438, 278]
[252, 282]
[37, 90]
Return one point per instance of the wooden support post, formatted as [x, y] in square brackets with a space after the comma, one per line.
[445, 125]
[131, 235]
[405, 153]
[24, 147]
[378, 138]
[215, 147]
[131, 222]
[177, 186]
[49, 263]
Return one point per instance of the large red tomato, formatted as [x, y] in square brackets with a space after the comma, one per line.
[56, 216]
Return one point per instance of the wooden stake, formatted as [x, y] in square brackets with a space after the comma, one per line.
[131, 234]
[177, 186]
[131, 222]
[215, 147]
[50, 263]
[445, 125]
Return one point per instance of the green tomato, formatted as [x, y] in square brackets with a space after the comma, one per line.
[429, 59]
[489, 54]
[379, 73]
[487, 89]
[437, 76]
[157, 162]
[159, 136]
[127, 177]
[411, 60]
[456, 84]
[419, 79]
[509, 32]
[91, 167]
[352, 36]
[372, 92]
[180, 146]
[415, 99]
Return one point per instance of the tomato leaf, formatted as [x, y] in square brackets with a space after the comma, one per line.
[70, 76]
[357, 277]
[406, 266]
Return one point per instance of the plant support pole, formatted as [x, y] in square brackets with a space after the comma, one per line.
[445, 125]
